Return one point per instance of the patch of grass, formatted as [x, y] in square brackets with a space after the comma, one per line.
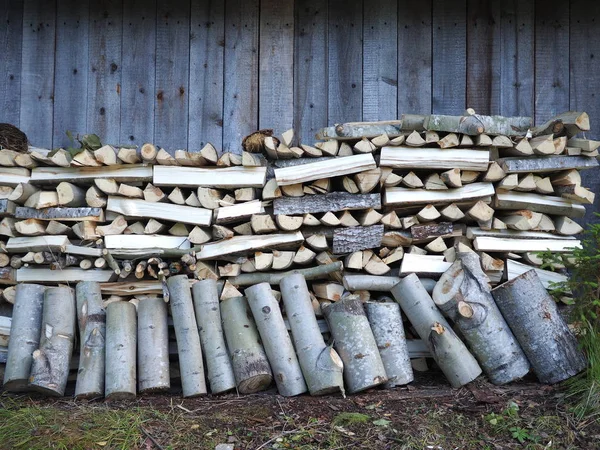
[346, 419]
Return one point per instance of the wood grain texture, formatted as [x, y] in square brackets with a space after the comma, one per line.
[138, 71]
[449, 56]
[207, 40]
[104, 76]
[310, 62]
[11, 41]
[240, 108]
[37, 76]
[276, 65]
[414, 57]
[380, 60]
[345, 65]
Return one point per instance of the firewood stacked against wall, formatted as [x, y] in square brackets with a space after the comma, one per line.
[369, 205]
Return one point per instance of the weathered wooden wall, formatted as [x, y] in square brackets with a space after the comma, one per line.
[184, 72]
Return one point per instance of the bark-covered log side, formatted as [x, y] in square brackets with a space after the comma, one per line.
[58, 213]
[431, 230]
[380, 283]
[336, 201]
[153, 346]
[310, 273]
[121, 347]
[353, 239]
[546, 163]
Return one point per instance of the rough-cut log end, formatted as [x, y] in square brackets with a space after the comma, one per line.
[255, 384]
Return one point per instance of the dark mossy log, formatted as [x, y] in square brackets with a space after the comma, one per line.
[379, 283]
[188, 339]
[546, 163]
[335, 201]
[311, 273]
[431, 231]
[358, 130]
[386, 322]
[276, 340]
[477, 124]
[7, 208]
[569, 123]
[91, 316]
[122, 173]
[25, 335]
[62, 214]
[51, 361]
[153, 345]
[208, 316]
[463, 295]
[353, 239]
[544, 335]
[320, 363]
[121, 348]
[355, 343]
[451, 355]
[248, 359]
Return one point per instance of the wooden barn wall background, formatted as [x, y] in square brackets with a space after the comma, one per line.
[181, 73]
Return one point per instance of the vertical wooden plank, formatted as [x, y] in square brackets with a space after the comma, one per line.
[585, 82]
[172, 73]
[310, 69]
[11, 38]
[414, 57]
[483, 56]
[241, 72]
[207, 38]
[138, 71]
[449, 56]
[37, 72]
[516, 64]
[276, 65]
[104, 76]
[345, 61]
[551, 61]
[380, 60]
[71, 70]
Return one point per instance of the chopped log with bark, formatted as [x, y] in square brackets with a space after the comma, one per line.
[347, 240]
[121, 351]
[335, 201]
[153, 346]
[546, 164]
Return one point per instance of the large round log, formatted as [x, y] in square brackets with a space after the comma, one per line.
[24, 335]
[386, 322]
[188, 339]
[92, 328]
[50, 368]
[449, 352]
[464, 296]
[248, 358]
[320, 363]
[355, 343]
[153, 346]
[121, 335]
[543, 334]
[208, 315]
[276, 340]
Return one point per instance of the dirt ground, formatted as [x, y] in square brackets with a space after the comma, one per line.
[425, 415]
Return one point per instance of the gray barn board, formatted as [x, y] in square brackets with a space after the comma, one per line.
[11, 41]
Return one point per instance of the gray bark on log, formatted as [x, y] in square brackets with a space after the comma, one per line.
[543, 334]
[358, 130]
[546, 163]
[320, 363]
[23, 212]
[380, 283]
[507, 126]
[355, 343]
[188, 338]
[24, 335]
[457, 363]
[50, 368]
[388, 329]
[336, 201]
[276, 340]
[248, 358]
[208, 316]
[572, 122]
[353, 239]
[121, 337]
[464, 296]
[414, 122]
[153, 346]
[454, 124]
[311, 273]
[431, 230]
[92, 330]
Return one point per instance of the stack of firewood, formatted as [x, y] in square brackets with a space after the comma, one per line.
[369, 206]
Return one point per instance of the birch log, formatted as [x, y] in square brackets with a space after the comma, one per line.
[24, 335]
[355, 343]
[208, 316]
[543, 334]
[188, 339]
[153, 346]
[276, 340]
[463, 295]
[451, 355]
[386, 322]
[50, 368]
[320, 363]
[379, 283]
[92, 330]
[121, 335]
[248, 358]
